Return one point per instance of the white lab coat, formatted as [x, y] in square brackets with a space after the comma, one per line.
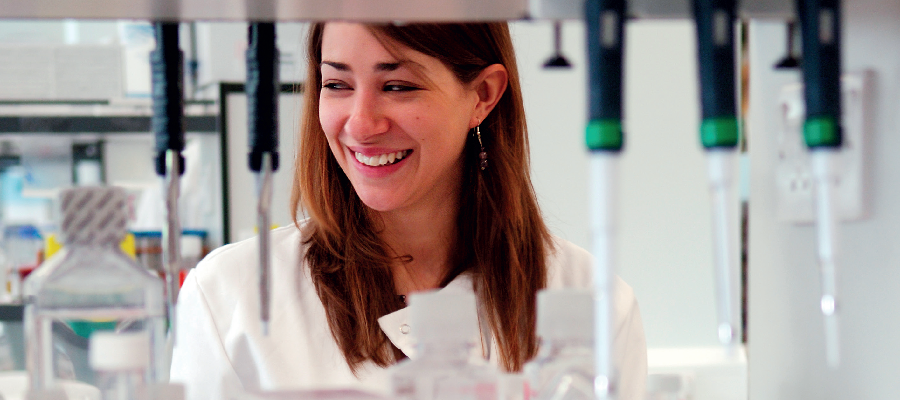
[220, 345]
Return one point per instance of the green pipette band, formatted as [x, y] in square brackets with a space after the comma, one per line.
[821, 132]
[719, 132]
[604, 134]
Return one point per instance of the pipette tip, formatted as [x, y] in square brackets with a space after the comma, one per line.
[265, 328]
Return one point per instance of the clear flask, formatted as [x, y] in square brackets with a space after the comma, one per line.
[564, 366]
[445, 326]
[91, 285]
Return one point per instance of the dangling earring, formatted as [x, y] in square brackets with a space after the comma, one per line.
[483, 154]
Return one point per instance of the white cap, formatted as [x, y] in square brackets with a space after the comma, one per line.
[191, 246]
[443, 317]
[119, 351]
[565, 314]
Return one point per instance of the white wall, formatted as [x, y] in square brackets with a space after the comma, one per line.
[665, 235]
[786, 341]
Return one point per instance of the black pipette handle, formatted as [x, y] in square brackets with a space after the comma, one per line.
[605, 21]
[167, 66]
[262, 94]
[820, 28]
[715, 49]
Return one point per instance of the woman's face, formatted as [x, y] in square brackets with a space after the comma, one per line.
[397, 123]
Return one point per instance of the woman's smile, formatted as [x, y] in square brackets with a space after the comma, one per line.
[379, 160]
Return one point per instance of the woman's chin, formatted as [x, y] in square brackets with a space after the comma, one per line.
[380, 203]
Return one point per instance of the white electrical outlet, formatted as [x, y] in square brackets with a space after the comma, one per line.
[793, 175]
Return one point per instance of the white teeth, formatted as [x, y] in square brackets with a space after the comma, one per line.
[379, 160]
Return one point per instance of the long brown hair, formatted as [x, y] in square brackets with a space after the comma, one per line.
[501, 238]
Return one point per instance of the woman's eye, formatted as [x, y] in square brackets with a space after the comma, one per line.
[335, 86]
[400, 88]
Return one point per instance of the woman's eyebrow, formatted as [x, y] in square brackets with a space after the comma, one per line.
[336, 65]
[380, 67]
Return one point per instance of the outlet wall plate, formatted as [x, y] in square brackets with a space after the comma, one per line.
[793, 174]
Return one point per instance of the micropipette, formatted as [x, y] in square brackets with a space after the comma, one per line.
[719, 135]
[820, 27]
[604, 20]
[262, 108]
[167, 63]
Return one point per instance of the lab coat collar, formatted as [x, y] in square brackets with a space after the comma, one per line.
[398, 329]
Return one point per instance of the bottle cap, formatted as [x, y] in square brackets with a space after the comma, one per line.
[191, 246]
[565, 314]
[94, 215]
[443, 317]
[119, 351]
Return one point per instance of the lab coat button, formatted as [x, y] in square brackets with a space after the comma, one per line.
[404, 329]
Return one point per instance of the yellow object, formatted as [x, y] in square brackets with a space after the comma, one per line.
[127, 245]
[52, 246]
[272, 227]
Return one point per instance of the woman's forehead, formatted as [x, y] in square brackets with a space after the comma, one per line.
[343, 41]
[350, 46]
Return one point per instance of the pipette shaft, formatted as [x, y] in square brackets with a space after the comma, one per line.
[264, 190]
[603, 189]
[262, 96]
[828, 248]
[719, 136]
[820, 28]
[168, 128]
[604, 20]
[172, 235]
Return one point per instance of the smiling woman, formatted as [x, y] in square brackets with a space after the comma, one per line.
[398, 123]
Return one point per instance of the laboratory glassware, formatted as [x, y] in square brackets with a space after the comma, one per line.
[564, 366]
[820, 27]
[714, 21]
[91, 285]
[445, 327]
[262, 129]
[604, 22]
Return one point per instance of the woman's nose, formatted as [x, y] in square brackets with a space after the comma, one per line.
[366, 116]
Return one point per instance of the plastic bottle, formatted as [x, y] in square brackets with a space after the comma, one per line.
[564, 366]
[7, 360]
[445, 326]
[120, 362]
[91, 285]
[22, 248]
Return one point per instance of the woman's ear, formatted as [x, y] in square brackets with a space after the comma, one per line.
[489, 86]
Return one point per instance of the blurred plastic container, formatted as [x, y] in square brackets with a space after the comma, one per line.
[307, 395]
[92, 285]
[7, 358]
[193, 247]
[445, 326]
[14, 386]
[148, 250]
[564, 366]
[668, 387]
[23, 251]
